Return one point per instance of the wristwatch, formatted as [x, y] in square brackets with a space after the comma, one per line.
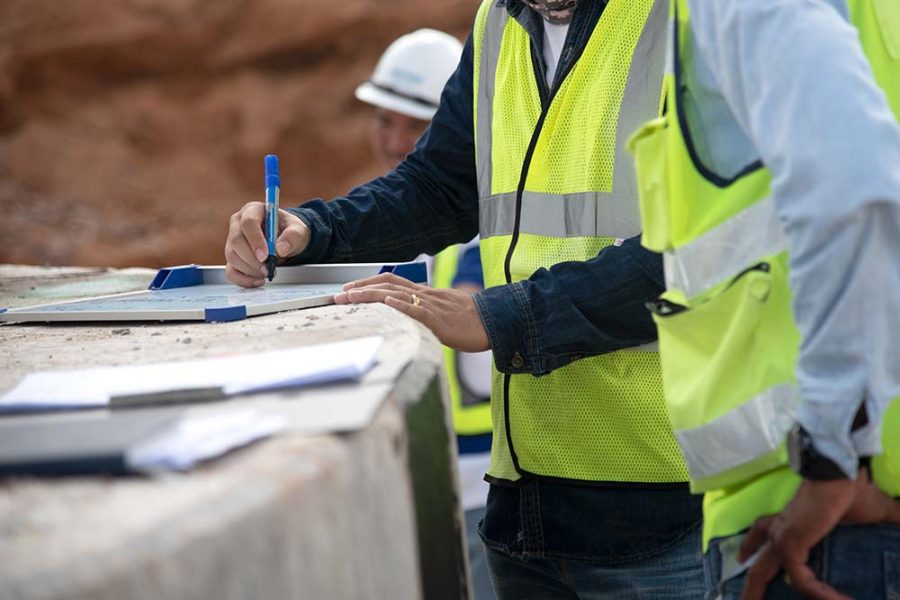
[806, 460]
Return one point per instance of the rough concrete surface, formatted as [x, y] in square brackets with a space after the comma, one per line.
[23, 285]
[327, 516]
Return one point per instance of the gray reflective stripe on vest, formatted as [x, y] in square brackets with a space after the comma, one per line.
[741, 435]
[640, 103]
[725, 251]
[651, 347]
[490, 55]
[670, 47]
[587, 214]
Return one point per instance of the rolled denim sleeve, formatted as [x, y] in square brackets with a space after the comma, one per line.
[573, 310]
[427, 203]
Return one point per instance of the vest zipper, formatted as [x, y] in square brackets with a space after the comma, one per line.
[529, 153]
[760, 266]
[537, 64]
[520, 190]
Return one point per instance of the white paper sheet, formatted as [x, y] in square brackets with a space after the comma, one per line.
[235, 374]
[202, 437]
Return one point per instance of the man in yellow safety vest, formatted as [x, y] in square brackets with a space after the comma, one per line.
[588, 493]
[772, 186]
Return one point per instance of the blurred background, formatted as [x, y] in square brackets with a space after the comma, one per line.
[130, 130]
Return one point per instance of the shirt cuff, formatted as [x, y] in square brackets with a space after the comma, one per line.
[510, 326]
[315, 224]
[830, 433]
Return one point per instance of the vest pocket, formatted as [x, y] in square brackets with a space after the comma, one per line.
[648, 145]
[887, 13]
[728, 374]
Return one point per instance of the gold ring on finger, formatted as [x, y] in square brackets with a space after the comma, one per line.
[416, 300]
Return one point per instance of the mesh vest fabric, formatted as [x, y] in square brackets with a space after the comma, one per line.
[468, 418]
[728, 340]
[599, 419]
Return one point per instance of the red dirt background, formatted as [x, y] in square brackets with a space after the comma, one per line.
[131, 129]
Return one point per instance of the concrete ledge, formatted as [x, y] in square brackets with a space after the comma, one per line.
[372, 514]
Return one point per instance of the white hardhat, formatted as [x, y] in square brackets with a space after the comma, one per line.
[411, 74]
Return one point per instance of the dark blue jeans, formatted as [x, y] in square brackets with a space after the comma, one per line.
[550, 540]
[674, 573]
[862, 561]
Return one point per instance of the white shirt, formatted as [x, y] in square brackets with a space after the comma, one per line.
[788, 82]
[554, 38]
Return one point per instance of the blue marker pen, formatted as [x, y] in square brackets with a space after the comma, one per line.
[273, 186]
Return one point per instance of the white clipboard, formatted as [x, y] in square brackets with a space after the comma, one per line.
[199, 293]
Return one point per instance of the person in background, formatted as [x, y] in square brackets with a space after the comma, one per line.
[405, 90]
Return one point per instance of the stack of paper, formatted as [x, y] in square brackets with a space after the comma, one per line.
[135, 441]
[197, 438]
[200, 379]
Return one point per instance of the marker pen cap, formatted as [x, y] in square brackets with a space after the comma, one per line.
[272, 177]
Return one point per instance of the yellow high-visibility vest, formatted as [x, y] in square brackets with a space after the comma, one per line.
[555, 184]
[728, 340]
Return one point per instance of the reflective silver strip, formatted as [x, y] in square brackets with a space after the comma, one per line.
[651, 347]
[487, 71]
[725, 251]
[741, 435]
[670, 47]
[640, 103]
[587, 214]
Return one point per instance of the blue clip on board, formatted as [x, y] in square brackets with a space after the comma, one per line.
[174, 277]
[414, 271]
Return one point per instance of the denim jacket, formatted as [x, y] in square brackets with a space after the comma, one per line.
[556, 316]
